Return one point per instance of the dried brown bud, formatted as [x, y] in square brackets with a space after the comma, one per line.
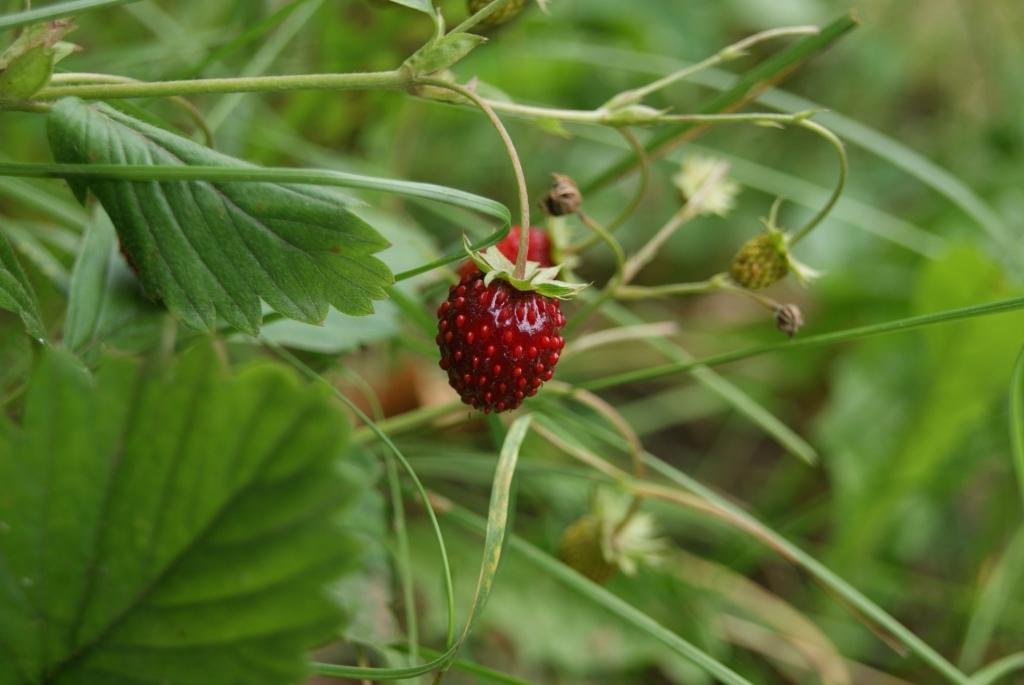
[788, 318]
[564, 197]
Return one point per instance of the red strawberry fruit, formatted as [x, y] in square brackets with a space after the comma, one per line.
[498, 344]
[539, 249]
[498, 331]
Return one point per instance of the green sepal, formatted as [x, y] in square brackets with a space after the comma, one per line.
[804, 273]
[542, 280]
[442, 53]
[27, 65]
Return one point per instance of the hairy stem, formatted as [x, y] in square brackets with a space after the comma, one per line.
[517, 166]
[396, 79]
[730, 52]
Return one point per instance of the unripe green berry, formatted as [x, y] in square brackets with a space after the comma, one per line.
[762, 261]
[581, 550]
[506, 13]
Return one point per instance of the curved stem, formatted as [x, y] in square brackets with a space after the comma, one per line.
[612, 415]
[407, 421]
[693, 207]
[998, 670]
[638, 292]
[634, 204]
[804, 230]
[641, 188]
[517, 166]
[613, 282]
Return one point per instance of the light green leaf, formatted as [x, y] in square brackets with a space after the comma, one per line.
[425, 6]
[16, 294]
[964, 370]
[212, 250]
[137, 543]
[441, 54]
[104, 302]
[89, 282]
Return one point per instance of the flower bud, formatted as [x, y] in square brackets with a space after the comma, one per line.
[563, 198]
[581, 549]
[788, 318]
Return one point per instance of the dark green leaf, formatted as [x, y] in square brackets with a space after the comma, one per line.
[136, 540]
[213, 250]
[16, 294]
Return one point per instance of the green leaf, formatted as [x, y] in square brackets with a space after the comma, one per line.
[26, 66]
[425, 6]
[137, 545]
[89, 282]
[441, 54]
[212, 250]
[105, 307]
[964, 370]
[16, 294]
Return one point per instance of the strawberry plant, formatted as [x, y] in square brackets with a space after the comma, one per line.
[234, 257]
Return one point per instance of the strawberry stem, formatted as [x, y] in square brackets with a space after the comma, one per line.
[517, 166]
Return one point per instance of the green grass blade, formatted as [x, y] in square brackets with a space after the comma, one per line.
[497, 523]
[998, 670]
[812, 566]
[156, 172]
[54, 206]
[897, 326]
[496, 529]
[385, 673]
[731, 394]
[264, 58]
[996, 591]
[56, 11]
[601, 596]
[28, 244]
[487, 674]
[251, 34]
[1017, 421]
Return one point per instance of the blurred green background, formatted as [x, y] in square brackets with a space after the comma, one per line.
[915, 499]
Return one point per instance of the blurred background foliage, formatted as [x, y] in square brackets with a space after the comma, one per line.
[914, 500]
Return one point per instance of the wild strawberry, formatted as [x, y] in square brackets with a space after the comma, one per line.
[498, 331]
[582, 550]
[498, 344]
[761, 261]
[539, 249]
[611, 537]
